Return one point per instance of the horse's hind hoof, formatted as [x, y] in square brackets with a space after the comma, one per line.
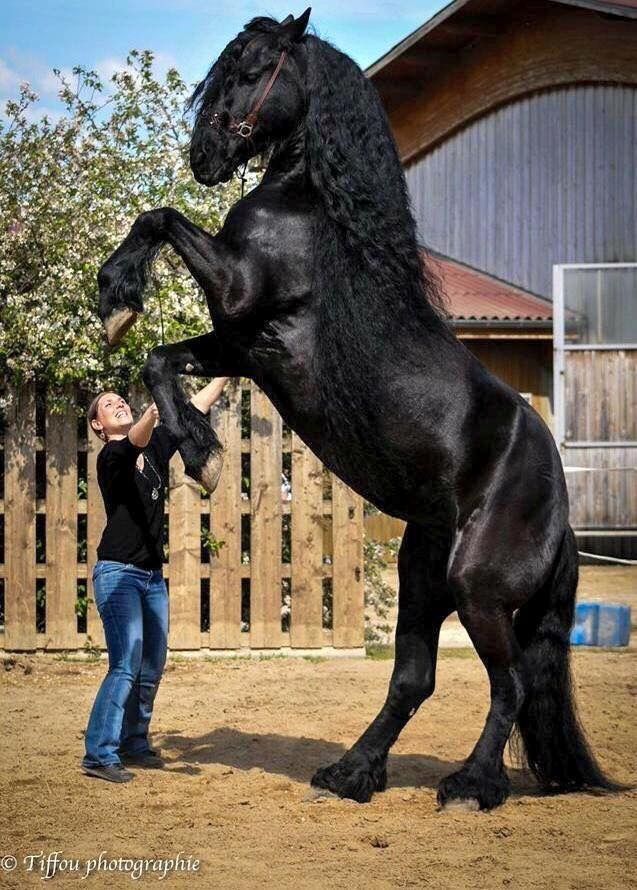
[473, 789]
[317, 794]
[351, 778]
[461, 804]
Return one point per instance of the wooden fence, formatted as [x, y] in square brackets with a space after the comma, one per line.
[272, 561]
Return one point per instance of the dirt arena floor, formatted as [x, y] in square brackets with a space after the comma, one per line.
[242, 738]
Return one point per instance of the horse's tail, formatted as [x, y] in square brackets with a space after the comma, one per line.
[553, 739]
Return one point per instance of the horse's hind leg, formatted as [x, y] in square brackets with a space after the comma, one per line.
[482, 783]
[423, 604]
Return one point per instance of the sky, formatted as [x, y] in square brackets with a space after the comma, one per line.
[39, 35]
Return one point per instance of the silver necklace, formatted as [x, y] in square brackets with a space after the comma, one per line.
[155, 492]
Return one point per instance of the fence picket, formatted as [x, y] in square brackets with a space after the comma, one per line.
[265, 501]
[347, 585]
[185, 561]
[61, 527]
[19, 485]
[306, 624]
[225, 521]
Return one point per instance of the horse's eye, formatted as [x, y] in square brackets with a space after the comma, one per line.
[252, 77]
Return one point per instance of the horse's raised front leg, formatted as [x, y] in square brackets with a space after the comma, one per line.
[423, 605]
[202, 356]
[214, 266]
[123, 277]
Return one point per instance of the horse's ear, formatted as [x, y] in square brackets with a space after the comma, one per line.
[293, 29]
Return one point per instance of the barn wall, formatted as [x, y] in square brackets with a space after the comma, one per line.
[526, 365]
[548, 179]
[447, 80]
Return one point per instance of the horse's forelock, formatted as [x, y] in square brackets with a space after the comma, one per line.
[228, 58]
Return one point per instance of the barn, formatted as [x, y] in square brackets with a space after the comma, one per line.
[516, 123]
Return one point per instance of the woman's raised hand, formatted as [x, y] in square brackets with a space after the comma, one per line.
[152, 411]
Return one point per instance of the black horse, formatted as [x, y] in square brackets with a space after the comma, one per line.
[317, 292]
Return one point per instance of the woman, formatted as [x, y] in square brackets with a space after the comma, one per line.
[130, 591]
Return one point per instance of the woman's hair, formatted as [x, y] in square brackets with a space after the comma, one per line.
[91, 414]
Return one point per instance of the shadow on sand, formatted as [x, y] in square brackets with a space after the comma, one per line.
[298, 758]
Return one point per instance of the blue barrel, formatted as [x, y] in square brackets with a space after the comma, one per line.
[613, 626]
[584, 632]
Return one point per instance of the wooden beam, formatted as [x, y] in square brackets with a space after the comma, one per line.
[474, 25]
[415, 37]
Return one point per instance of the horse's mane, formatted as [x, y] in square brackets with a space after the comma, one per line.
[354, 166]
[372, 287]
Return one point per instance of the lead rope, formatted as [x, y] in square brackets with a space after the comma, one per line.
[161, 318]
[242, 177]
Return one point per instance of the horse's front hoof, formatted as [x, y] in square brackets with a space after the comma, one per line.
[211, 471]
[117, 323]
[352, 779]
[205, 468]
[473, 789]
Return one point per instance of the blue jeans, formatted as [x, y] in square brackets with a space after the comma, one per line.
[133, 606]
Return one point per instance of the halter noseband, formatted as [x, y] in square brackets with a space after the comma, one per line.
[245, 127]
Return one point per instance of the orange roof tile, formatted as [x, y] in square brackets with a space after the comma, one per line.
[473, 295]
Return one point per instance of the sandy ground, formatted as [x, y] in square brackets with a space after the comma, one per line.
[242, 738]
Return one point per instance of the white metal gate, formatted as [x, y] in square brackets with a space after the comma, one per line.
[595, 392]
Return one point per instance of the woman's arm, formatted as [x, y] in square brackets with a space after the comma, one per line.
[206, 397]
[140, 432]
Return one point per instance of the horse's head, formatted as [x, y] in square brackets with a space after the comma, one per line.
[253, 95]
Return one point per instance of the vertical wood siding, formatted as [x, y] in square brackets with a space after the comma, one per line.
[548, 179]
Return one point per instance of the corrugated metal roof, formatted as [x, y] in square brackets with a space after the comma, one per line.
[473, 295]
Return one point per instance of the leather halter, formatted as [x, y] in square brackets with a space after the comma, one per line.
[245, 127]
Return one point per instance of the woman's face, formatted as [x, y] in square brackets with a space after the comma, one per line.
[114, 415]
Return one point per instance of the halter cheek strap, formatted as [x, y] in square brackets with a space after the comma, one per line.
[245, 127]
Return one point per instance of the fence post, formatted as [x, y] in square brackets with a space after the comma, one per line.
[306, 619]
[20, 445]
[184, 558]
[348, 603]
[265, 502]
[61, 526]
[225, 523]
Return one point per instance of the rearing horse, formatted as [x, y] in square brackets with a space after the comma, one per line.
[317, 292]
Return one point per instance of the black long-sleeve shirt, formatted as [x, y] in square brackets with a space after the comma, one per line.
[134, 521]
